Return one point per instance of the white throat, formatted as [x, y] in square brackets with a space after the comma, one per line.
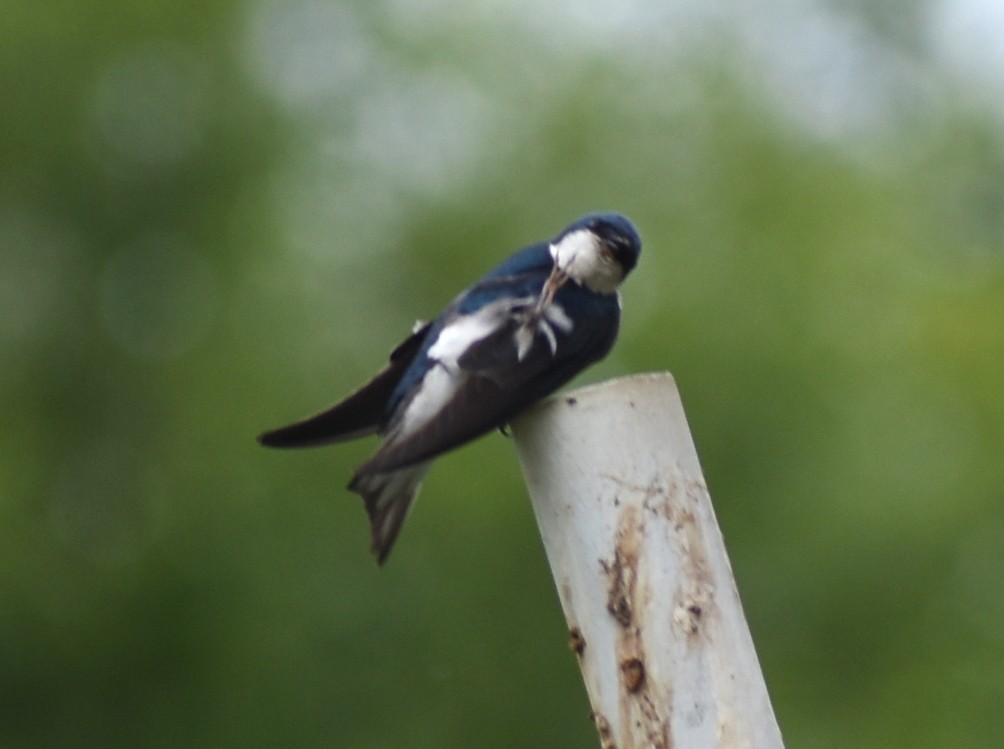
[581, 256]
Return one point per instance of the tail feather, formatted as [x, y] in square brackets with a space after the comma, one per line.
[388, 497]
[360, 413]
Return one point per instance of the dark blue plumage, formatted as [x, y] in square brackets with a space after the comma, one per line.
[526, 328]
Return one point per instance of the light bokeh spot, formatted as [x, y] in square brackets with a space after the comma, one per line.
[152, 105]
[158, 298]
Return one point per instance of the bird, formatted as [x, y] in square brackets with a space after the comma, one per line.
[515, 336]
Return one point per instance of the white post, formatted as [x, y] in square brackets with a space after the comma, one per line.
[641, 569]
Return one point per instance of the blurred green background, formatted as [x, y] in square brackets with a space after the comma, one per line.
[217, 216]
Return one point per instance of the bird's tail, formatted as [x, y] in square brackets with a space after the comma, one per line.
[388, 498]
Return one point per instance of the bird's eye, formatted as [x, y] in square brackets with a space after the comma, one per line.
[609, 251]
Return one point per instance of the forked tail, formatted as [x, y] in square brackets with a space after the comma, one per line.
[388, 498]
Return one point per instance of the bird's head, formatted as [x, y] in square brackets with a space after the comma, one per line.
[597, 251]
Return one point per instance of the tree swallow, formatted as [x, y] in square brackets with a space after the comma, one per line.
[524, 330]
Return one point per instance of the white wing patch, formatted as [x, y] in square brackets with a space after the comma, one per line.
[444, 379]
[466, 330]
[438, 387]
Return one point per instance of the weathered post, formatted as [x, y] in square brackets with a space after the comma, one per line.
[641, 569]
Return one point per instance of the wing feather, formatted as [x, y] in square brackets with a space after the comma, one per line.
[493, 384]
[362, 412]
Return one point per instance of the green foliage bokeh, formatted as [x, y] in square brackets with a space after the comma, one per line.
[216, 217]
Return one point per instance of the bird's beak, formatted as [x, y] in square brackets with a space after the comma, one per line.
[554, 282]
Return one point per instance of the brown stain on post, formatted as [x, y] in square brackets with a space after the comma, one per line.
[633, 673]
[640, 710]
[694, 606]
[670, 506]
[621, 574]
[576, 642]
[606, 735]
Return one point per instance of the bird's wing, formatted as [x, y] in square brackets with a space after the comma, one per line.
[361, 413]
[490, 384]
